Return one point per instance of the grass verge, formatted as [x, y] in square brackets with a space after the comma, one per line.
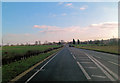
[106, 49]
[11, 70]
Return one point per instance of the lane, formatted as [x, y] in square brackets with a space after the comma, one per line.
[96, 64]
[62, 67]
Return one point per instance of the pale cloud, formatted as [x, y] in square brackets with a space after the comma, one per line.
[60, 3]
[64, 14]
[43, 26]
[69, 5]
[27, 34]
[106, 29]
[74, 29]
[109, 25]
[52, 15]
[83, 7]
[54, 33]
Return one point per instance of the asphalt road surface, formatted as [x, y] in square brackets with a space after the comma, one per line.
[73, 64]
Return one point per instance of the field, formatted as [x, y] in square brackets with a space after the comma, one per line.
[36, 54]
[13, 69]
[12, 50]
[102, 48]
[15, 53]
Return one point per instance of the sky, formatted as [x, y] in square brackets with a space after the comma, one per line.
[54, 21]
[60, 0]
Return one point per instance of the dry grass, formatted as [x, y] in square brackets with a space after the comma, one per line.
[110, 49]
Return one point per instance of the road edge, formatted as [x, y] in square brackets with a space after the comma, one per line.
[31, 68]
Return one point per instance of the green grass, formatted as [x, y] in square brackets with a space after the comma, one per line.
[21, 50]
[109, 48]
[13, 53]
[13, 69]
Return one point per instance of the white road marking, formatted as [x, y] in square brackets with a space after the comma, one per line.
[91, 67]
[42, 67]
[98, 57]
[83, 70]
[98, 76]
[115, 75]
[74, 57]
[114, 63]
[71, 52]
[86, 62]
[104, 71]
[84, 59]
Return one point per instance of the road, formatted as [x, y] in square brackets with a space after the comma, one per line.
[73, 64]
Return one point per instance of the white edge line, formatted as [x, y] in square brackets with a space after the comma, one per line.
[42, 67]
[85, 73]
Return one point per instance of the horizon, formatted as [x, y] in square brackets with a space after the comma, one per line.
[55, 21]
[32, 43]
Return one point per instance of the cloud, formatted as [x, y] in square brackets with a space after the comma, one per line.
[37, 26]
[83, 7]
[54, 33]
[93, 31]
[64, 14]
[69, 5]
[109, 25]
[43, 26]
[60, 3]
[100, 26]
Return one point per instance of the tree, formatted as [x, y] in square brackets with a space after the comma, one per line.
[36, 42]
[78, 41]
[46, 42]
[90, 42]
[97, 42]
[59, 43]
[39, 42]
[73, 41]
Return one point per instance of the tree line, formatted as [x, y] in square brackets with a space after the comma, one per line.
[112, 41]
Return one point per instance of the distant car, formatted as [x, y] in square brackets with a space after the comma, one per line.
[69, 45]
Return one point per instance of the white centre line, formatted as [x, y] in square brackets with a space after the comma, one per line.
[74, 57]
[83, 70]
[42, 67]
